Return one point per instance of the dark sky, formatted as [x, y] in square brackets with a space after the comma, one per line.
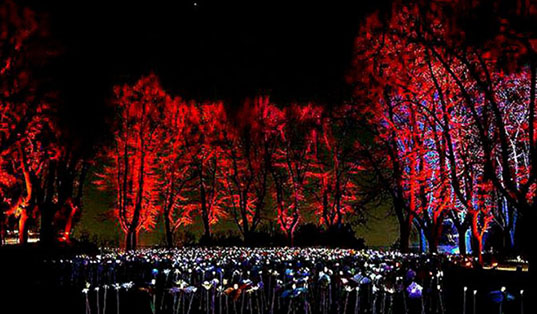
[207, 49]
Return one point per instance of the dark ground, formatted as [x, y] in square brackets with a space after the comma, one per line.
[29, 286]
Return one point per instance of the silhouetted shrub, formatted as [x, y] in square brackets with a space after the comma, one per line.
[314, 235]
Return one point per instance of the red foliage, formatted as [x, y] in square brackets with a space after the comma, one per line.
[333, 166]
[134, 157]
[248, 148]
[206, 136]
[175, 167]
[28, 135]
[290, 165]
[454, 109]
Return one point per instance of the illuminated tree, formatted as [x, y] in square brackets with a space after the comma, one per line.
[474, 80]
[60, 191]
[23, 207]
[333, 166]
[206, 137]
[176, 158]
[248, 149]
[404, 136]
[18, 25]
[289, 166]
[131, 172]
[26, 115]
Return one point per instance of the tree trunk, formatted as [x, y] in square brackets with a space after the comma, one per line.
[207, 227]
[480, 252]
[169, 233]
[131, 240]
[204, 210]
[69, 221]
[244, 215]
[206, 223]
[291, 238]
[433, 243]
[23, 227]
[74, 202]
[26, 200]
[477, 248]
[46, 235]
[404, 238]
[132, 233]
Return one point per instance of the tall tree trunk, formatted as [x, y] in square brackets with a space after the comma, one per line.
[23, 227]
[290, 236]
[244, 214]
[480, 250]
[206, 228]
[433, 242]
[72, 210]
[24, 203]
[205, 217]
[476, 247]
[204, 209]
[46, 234]
[131, 240]
[74, 202]
[168, 230]
[404, 237]
[132, 234]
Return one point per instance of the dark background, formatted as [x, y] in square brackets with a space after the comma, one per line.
[205, 49]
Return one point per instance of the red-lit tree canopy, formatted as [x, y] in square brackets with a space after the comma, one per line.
[175, 159]
[248, 150]
[334, 166]
[41, 172]
[454, 111]
[133, 159]
[290, 163]
[207, 133]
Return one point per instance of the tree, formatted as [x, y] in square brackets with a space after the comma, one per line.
[176, 167]
[206, 137]
[331, 179]
[18, 26]
[25, 112]
[290, 165]
[248, 150]
[132, 171]
[476, 77]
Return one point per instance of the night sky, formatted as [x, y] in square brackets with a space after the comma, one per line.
[208, 49]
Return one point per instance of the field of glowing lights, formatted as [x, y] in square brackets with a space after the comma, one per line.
[279, 280]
